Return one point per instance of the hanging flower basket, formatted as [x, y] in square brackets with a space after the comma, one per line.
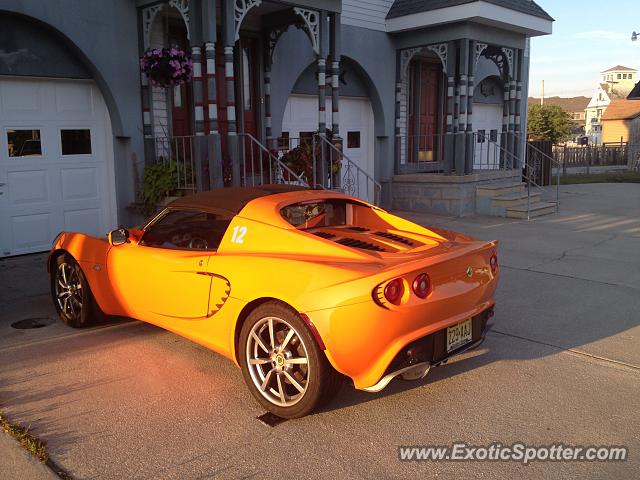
[167, 67]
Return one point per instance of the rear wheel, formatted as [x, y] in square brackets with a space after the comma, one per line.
[282, 364]
[71, 294]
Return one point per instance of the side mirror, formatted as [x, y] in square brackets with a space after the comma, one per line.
[119, 236]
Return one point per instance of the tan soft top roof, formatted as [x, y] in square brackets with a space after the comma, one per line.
[230, 200]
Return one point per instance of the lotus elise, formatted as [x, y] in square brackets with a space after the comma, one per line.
[300, 288]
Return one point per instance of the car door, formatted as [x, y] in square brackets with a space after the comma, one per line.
[162, 277]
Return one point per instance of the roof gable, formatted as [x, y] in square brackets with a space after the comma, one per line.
[407, 7]
[620, 68]
[622, 110]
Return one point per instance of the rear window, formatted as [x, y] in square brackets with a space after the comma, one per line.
[317, 213]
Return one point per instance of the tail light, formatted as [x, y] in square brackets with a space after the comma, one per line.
[494, 263]
[394, 291]
[422, 285]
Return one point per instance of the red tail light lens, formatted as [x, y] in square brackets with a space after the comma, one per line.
[422, 285]
[494, 263]
[394, 291]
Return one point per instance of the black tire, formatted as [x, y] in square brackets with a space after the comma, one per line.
[320, 381]
[80, 309]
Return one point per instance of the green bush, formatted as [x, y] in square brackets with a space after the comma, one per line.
[160, 179]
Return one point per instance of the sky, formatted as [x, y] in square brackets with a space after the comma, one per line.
[589, 36]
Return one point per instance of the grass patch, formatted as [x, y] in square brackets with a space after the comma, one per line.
[37, 447]
[607, 177]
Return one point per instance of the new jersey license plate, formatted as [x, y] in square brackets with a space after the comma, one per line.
[459, 335]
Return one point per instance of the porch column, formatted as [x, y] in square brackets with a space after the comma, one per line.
[229, 41]
[519, 106]
[267, 102]
[512, 109]
[212, 104]
[334, 52]
[470, 141]
[322, 80]
[196, 56]
[449, 144]
[505, 123]
[461, 100]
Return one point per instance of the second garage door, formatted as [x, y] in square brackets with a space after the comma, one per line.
[356, 125]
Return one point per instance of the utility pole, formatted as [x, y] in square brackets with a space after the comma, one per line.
[542, 95]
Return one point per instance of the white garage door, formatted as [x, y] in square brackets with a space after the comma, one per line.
[487, 123]
[56, 169]
[356, 128]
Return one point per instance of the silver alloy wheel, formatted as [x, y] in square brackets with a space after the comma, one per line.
[68, 290]
[278, 362]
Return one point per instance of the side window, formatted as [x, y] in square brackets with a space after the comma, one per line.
[186, 230]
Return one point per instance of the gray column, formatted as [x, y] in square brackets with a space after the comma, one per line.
[334, 52]
[449, 144]
[512, 109]
[267, 104]
[196, 56]
[212, 104]
[461, 100]
[470, 143]
[322, 71]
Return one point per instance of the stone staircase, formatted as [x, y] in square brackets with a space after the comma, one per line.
[510, 200]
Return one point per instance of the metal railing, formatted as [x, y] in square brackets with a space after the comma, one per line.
[536, 163]
[177, 152]
[489, 151]
[421, 153]
[353, 180]
[260, 166]
[337, 172]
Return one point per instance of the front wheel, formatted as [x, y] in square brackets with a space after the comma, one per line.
[71, 294]
[282, 364]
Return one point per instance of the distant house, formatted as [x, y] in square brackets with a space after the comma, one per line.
[616, 84]
[621, 122]
[635, 93]
[576, 107]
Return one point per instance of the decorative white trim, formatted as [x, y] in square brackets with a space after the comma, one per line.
[442, 50]
[508, 52]
[480, 48]
[311, 20]
[183, 8]
[241, 8]
[148, 16]
[405, 59]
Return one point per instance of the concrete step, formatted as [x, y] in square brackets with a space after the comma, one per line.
[537, 210]
[496, 189]
[515, 199]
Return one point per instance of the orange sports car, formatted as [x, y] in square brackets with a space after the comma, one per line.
[300, 288]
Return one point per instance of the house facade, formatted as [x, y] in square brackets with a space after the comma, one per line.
[424, 100]
[621, 122]
[616, 84]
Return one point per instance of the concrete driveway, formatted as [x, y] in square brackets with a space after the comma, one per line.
[128, 400]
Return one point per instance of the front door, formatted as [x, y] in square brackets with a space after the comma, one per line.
[424, 142]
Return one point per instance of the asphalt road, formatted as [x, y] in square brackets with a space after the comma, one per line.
[562, 365]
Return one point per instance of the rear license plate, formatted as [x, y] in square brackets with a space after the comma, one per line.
[459, 335]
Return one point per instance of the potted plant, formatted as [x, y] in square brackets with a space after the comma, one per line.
[167, 67]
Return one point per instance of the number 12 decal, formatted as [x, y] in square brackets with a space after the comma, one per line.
[238, 234]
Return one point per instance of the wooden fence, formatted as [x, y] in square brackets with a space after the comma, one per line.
[590, 156]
